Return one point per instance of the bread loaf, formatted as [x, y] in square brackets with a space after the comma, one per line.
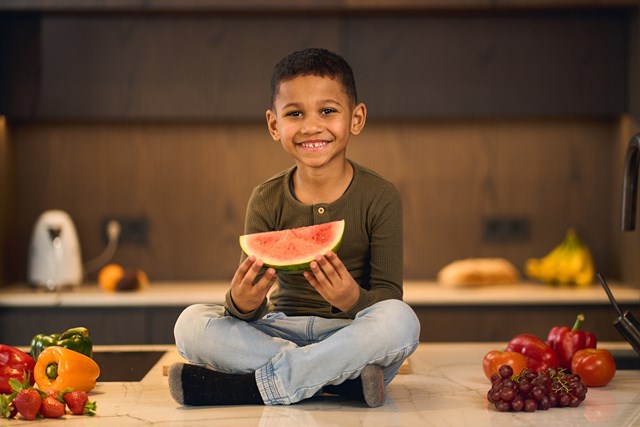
[478, 271]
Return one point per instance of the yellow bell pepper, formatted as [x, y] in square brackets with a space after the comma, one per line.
[59, 368]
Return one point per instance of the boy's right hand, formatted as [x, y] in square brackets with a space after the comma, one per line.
[247, 295]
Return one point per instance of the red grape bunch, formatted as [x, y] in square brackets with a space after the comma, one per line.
[531, 390]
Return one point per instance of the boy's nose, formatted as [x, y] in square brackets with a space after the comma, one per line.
[310, 124]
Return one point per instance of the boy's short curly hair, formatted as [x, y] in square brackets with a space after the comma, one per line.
[316, 62]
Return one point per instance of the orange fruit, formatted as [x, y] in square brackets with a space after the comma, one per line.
[115, 278]
[109, 276]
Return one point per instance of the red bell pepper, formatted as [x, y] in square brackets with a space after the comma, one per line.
[538, 354]
[566, 341]
[13, 364]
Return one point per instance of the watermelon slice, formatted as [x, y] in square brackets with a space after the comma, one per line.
[293, 250]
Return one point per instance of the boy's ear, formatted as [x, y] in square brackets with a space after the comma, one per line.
[272, 125]
[358, 118]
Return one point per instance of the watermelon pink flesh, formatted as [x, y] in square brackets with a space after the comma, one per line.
[295, 248]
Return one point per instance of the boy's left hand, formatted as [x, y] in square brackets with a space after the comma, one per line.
[333, 281]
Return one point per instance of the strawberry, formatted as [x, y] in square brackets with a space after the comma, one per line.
[27, 399]
[78, 403]
[52, 407]
[27, 402]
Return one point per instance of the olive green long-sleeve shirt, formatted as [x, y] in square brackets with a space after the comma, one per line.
[371, 247]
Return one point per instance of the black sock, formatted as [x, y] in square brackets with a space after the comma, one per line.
[194, 385]
[351, 389]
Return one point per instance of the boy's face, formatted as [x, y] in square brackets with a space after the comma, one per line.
[313, 118]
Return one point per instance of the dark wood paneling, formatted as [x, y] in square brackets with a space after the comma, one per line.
[20, 63]
[5, 183]
[193, 182]
[292, 6]
[167, 67]
[479, 66]
[132, 67]
[634, 65]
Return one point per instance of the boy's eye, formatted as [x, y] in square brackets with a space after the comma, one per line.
[294, 114]
[327, 110]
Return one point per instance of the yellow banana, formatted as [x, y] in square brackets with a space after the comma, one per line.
[544, 268]
[568, 263]
[554, 263]
[572, 261]
[584, 276]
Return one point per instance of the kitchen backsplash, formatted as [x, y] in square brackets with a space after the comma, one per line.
[192, 182]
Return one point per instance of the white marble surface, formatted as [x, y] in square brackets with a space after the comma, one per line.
[416, 292]
[444, 386]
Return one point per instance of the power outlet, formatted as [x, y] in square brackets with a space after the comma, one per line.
[506, 229]
[133, 230]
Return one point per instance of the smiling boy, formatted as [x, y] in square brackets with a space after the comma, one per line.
[340, 327]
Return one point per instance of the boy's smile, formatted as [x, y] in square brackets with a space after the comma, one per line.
[310, 145]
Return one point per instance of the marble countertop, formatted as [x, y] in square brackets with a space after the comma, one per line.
[416, 293]
[443, 385]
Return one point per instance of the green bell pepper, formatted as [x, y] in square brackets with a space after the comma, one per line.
[76, 339]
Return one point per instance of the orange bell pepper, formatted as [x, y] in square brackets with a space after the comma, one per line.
[59, 368]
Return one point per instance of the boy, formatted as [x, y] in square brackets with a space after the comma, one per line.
[339, 328]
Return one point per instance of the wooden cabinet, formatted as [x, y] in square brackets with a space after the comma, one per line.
[464, 323]
[443, 323]
[107, 325]
[409, 64]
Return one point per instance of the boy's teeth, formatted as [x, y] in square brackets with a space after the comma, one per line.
[313, 145]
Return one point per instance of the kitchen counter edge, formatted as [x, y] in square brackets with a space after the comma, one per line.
[423, 293]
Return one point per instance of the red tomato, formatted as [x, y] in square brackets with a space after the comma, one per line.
[494, 359]
[596, 367]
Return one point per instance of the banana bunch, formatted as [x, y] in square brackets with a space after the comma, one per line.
[569, 263]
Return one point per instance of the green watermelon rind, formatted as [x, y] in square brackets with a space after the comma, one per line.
[299, 266]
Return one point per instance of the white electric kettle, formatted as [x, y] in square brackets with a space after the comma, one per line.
[54, 252]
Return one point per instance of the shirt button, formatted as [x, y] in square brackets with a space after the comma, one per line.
[320, 210]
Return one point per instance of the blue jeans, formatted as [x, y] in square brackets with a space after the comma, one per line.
[294, 357]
